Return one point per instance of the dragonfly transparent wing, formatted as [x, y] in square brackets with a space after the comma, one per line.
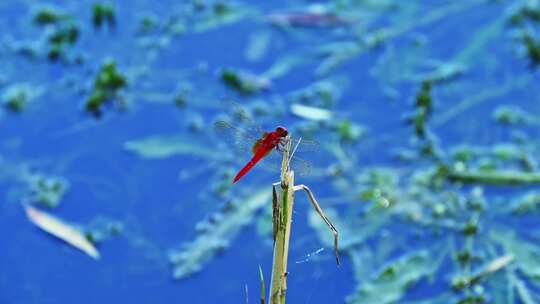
[239, 129]
[300, 146]
[300, 166]
[240, 139]
[273, 161]
[305, 145]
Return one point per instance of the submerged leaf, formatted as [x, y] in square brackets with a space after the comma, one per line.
[216, 233]
[161, 147]
[392, 282]
[529, 202]
[527, 256]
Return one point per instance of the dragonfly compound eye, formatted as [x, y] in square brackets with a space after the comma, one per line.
[282, 131]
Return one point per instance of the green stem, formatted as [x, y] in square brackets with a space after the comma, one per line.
[282, 223]
[261, 278]
[501, 177]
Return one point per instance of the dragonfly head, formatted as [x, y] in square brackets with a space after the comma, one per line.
[282, 131]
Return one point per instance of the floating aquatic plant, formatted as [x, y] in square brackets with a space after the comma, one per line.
[47, 191]
[243, 82]
[108, 83]
[101, 229]
[103, 14]
[49, 15]
[62, 34]
[17, 97]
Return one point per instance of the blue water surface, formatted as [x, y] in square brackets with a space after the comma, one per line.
[159, 201]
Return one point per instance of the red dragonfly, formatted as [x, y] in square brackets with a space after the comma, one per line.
[260, 143]
[262, 147]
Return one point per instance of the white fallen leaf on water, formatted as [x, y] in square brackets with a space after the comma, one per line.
[61, 230]
[310, 112]
[496, 265]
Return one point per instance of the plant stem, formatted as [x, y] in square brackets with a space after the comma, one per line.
[282, 225]
[261, 277]
[501, 177]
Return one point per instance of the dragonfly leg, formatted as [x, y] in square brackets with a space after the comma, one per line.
[326, 220]
[281, 144]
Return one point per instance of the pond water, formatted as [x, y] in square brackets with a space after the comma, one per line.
[426, 115]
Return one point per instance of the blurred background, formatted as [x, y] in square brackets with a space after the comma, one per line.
[425, 117]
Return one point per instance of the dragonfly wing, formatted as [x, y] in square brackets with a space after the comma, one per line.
[239, 128]
[241, 140]
[244, 119]
[300, 166]
[272, 162]
[305, 145]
